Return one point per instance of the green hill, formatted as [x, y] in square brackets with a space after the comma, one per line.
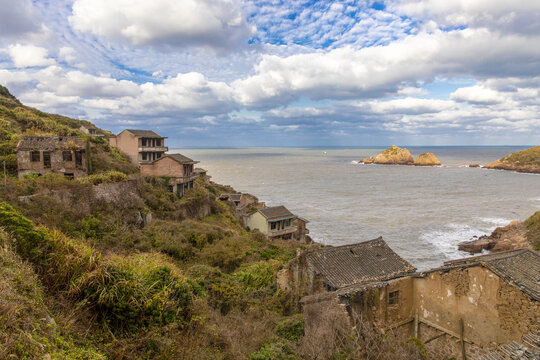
[17, 120]
[527, 160]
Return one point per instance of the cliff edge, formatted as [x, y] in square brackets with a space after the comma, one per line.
[515, 235]
[527, 160]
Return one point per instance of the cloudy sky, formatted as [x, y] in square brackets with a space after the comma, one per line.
[282, 73]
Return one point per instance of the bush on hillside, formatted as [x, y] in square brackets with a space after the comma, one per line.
[108, 177]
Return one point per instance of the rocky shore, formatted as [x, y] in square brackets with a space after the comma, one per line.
[515, 235]
[527, 161]
[395, 155]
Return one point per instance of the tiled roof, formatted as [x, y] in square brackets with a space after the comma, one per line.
[144, 133]
[347, 265]
[276, 213]
[520, 268]
[180, 158]
[49, 143]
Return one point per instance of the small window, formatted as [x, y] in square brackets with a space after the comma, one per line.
[143, 142]
[273, 226]
[67, 156]
[158, 155]
[158, 142]
[35, 156]
[47, 159]
[144, 156]
[78, 158]
[393, 298]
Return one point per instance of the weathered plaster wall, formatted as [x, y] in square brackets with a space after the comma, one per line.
[489, 308]
[129, 144]
[257, 221]
[164, 167]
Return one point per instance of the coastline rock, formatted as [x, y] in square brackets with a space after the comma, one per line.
[394, 155]
[509, 237]
[527, 160]
[427, 159]
[474, 165]
[369, 160]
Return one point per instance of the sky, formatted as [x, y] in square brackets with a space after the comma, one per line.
[239, 73]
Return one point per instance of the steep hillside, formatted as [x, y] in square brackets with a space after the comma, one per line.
[527, 160]
[17, 120]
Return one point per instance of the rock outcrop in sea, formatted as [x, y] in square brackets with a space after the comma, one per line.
[394, 155]
[527, 160]
[427, 159]
[509, 237]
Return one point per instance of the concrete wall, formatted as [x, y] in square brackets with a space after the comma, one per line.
[128, 144]
[258, 221]
[164, 167]
[58, 165]
[492, 311]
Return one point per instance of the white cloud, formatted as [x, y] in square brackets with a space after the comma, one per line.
[283, 127]
[384, 70]
[67, 54]
[477, 95]
[511, 16]
[410, 106]
[215, 24]
[29, 55]
[18, 17]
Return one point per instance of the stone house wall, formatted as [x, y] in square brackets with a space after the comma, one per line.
[492, 311]
[57, 166]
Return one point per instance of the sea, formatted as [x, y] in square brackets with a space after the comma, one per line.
[421, 212]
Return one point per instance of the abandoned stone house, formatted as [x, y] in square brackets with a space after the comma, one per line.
[141, 146]
[274, 222]
[239, 200]
[482, 301]
[52, 155]
[177, 167]
[91, 130]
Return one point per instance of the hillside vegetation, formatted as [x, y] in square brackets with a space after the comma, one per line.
[527, 160]
[138, 273]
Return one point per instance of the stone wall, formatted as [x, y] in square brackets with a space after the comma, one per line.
[57, 166]
[492, 311]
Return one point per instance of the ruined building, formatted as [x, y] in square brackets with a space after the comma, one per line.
[141, 146]
[177, 168]
[52, 155]
[467, 306]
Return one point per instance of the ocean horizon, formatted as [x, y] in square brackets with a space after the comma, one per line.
[422, 212]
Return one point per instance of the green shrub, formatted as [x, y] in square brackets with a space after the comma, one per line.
[291, 329]
[138, 291]
[275, 351]
[257, 276]
[111, 176]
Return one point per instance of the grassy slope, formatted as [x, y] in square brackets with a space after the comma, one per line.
[192, 284]
[527, 160]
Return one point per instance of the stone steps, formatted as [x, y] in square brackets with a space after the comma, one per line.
[528, 350]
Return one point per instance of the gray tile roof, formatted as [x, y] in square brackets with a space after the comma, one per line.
[520, 268]
[276, 213]
[180, 158]
[369, 261]
[49, 143]
[144, 133]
